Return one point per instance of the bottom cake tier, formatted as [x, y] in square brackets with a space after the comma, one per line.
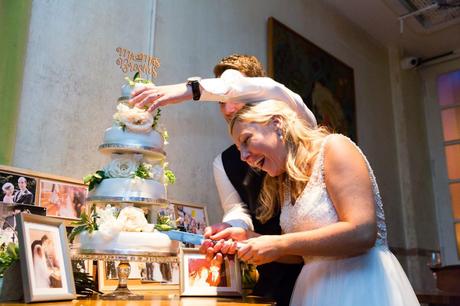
[127, 243]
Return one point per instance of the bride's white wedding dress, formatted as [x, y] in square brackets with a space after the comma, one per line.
[374, 278]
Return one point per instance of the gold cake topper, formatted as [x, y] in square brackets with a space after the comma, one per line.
[129, 61]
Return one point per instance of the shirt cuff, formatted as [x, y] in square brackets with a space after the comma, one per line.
[237, 223]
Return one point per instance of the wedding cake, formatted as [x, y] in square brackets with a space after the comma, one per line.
[137, 171]
[135, 175]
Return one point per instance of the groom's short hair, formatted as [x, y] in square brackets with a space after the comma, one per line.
[247, 64]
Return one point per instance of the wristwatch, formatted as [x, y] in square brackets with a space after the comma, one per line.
[194, 83]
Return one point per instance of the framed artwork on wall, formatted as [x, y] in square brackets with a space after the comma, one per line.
[325, 83]
[46, 268]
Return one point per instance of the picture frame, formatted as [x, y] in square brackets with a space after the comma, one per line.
[200, 277]
[17, 187]
[8, 223]
[325, 83]
[69, 193]
[62, 199]
[45, 263]
[191, 217]
[138, 279]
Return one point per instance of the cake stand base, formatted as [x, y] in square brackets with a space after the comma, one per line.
[122, 292]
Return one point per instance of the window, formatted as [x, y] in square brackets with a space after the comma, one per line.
[448, 92]
[442, 113]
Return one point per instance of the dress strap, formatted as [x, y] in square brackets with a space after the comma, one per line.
[317, 173]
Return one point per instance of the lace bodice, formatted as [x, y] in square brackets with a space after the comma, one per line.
[314, 209]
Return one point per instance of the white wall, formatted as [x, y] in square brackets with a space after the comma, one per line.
[71, 82]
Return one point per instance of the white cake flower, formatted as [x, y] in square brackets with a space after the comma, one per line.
[157, 173]
[132, 219]
[107, 222]
[106, 215]
[135, 119]
[122, 166]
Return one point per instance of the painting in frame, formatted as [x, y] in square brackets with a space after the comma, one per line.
[46, 268]
[325, 83]
[200, 277]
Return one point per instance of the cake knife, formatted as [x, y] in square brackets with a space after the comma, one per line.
[191, 238]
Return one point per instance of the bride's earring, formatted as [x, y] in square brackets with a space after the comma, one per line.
[280, 134]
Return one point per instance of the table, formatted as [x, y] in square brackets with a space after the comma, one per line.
[159, 298]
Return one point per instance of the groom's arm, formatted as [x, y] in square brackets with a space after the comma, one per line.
[236, 213]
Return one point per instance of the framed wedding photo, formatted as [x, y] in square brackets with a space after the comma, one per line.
[62, 199]
[200, 277]
[46, 268]
[17, 188]
[193, 218]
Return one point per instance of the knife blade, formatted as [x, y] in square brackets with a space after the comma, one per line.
[185, 237]
[191, 238]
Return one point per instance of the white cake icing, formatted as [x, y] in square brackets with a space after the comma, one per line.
[129, 188]
[126, 242]
[116, 135]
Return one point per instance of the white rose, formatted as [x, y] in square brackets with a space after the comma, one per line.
[135, 119]
[106, 215]
[132, 219]
[109, 230]
[122, 166]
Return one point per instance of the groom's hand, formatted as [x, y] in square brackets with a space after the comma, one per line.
[215, 228]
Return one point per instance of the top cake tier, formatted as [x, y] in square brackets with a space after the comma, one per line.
[134, 131]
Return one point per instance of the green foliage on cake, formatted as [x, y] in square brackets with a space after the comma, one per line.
[131, 166]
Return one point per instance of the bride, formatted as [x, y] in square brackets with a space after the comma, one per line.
[41, 272]
[331, 213]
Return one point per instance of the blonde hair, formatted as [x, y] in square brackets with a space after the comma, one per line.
[302, 143]
[247, 64]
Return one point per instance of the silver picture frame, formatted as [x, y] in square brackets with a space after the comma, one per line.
[45, 262]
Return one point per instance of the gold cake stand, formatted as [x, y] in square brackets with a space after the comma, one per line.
[122, 292]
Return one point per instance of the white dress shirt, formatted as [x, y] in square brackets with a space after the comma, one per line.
[232, 85]
[235, 212]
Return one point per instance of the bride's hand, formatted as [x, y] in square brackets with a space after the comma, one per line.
[156, 96]
[261, 250]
